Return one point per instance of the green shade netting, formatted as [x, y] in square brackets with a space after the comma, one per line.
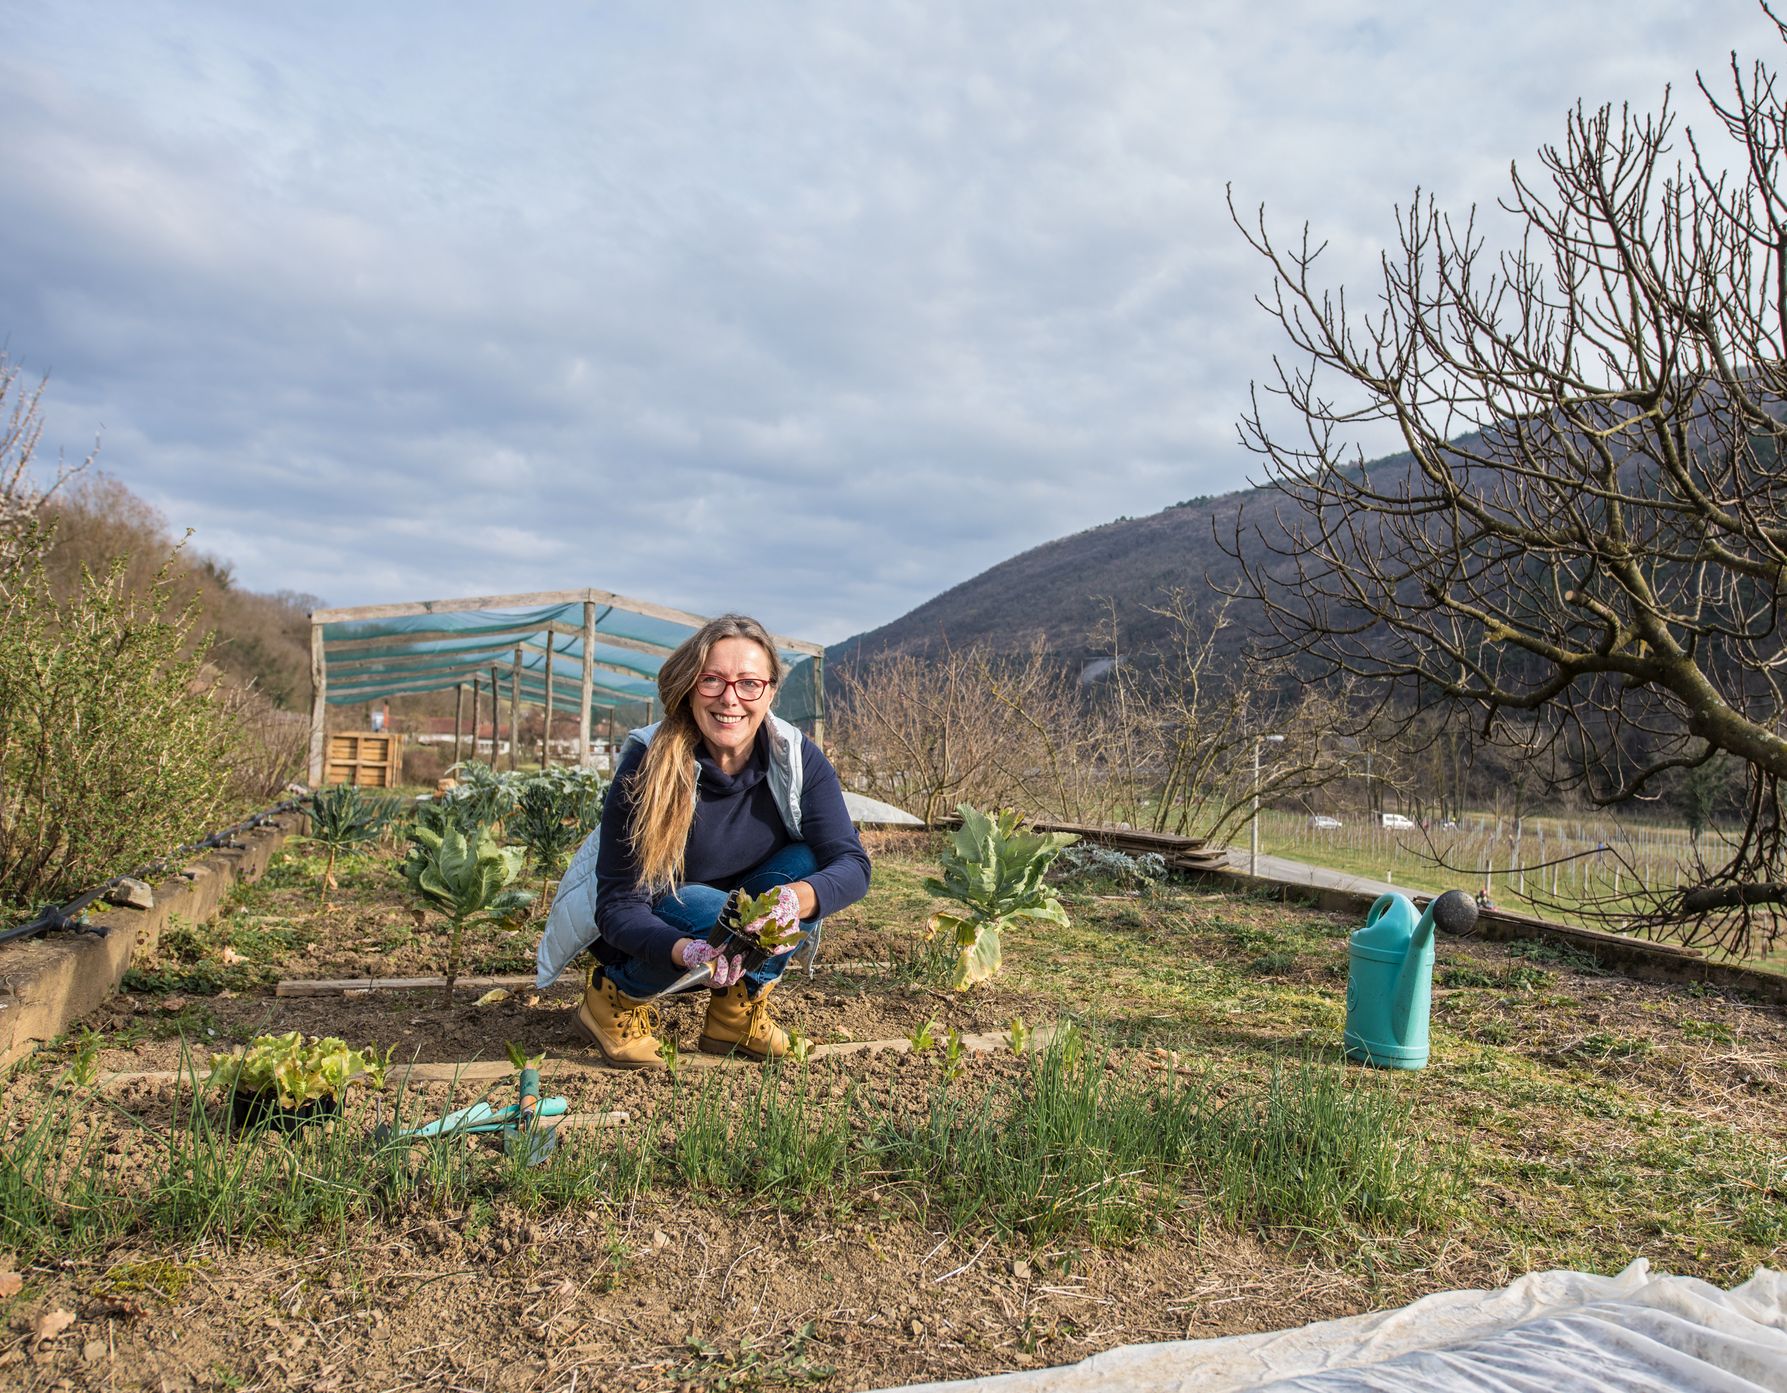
[370, 659]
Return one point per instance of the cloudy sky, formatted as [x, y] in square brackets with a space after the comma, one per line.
[809, 309]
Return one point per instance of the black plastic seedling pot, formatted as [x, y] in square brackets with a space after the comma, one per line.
[263, 1109]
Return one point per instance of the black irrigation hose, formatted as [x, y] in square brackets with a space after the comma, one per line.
[72, 915]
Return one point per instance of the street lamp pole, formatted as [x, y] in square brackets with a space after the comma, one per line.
[1253, 859]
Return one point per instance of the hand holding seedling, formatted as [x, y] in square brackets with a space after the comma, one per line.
[770, 921]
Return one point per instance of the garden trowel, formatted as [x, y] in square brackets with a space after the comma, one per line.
[752, 953]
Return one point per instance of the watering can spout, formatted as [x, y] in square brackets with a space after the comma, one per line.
[1417, 967]
[1456, 913]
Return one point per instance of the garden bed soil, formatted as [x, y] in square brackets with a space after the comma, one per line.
[1544, 1067]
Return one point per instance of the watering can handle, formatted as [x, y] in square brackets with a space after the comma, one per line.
[1379, 909]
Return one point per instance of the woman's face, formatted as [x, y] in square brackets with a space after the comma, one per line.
[727, 723]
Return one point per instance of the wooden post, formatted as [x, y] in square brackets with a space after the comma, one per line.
[546, 725]
[319, 689]
[496, 715]
[515, 711]
[585, 755]
[819, 700]
[458, 714]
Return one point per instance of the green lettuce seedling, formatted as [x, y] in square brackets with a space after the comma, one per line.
[297, 1068]
[954, 1056]
[773, 936]
[800, 1045]
[994, 872]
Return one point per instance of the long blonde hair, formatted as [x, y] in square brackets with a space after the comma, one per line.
[663, 787]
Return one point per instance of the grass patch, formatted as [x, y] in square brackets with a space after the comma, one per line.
[1065, 1147]
[1077, 1149]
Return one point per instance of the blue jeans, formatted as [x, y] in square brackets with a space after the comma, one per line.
[695, 909]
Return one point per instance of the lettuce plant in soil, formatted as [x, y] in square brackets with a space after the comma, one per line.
[467, 877]
[994, 870]
[294, 1073]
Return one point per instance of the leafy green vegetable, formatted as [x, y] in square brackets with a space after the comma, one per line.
[773, 936]
[954, 1056]
[480, 795]
[800, 1045]
[297, 1067]
[519, 1057]
[554, 811]
[467, 877]
[341, 817]
[995, 872]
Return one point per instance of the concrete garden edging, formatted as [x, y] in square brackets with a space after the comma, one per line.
[1631, 957]
[48, 983]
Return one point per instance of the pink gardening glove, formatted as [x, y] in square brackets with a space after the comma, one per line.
[786, 915]
[728, 967]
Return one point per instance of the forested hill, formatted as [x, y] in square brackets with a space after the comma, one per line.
[1063, 591]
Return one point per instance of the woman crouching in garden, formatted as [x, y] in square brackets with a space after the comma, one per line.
[719, 799]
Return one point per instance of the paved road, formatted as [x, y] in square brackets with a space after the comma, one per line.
[1302, 873]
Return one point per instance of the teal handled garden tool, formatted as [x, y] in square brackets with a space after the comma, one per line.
[521, 1132]
[519, 1125]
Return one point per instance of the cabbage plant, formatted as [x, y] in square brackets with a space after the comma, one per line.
[467, 877]
[994, 871]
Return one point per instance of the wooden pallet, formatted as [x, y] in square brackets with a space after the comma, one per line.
[369, 758]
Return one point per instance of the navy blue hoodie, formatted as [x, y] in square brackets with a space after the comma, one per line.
[737, 827]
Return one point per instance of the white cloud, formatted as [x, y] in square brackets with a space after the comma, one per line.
[409, 300]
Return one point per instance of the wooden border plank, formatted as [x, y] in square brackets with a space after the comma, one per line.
[496, 1070]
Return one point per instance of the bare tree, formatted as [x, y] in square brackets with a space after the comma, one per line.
[921, 733]
[22, 494]
[1585, 546]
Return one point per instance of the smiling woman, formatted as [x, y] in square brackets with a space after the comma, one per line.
[719, 801]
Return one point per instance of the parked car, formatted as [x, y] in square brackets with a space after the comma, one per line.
[1395, 822]
[1322, 823]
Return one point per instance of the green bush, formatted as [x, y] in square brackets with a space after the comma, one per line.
[112, 742]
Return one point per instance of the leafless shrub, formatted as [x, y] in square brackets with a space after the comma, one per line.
[1161, 739]
[22, 493]
[268, 746]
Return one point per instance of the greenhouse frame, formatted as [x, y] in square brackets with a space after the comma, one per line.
[564, 650]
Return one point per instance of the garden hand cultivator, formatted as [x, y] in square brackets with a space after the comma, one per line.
[519, 1126]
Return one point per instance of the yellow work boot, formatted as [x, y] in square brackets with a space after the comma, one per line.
[624, 1030]
[739, 1023]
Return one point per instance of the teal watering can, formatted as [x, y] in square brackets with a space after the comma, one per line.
[1389, 980]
